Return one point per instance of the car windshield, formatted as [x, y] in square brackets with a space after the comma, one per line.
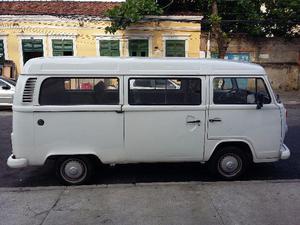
[12, 82]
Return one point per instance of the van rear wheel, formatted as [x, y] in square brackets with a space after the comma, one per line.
[229, 163]
[74, 170]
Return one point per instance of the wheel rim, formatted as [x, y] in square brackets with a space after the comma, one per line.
[73, 170]
[230, 165]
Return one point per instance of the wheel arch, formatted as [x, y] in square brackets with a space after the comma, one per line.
[242, 144]
[95, 159]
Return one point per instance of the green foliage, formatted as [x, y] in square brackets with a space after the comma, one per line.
[130, 12]
[213, 19]
[283, 17]
[245, 16]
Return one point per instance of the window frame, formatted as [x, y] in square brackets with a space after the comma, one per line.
[202, 93]
[62, 39]
[185, 38]
[262, 77]
[172, 40]
[108, 38]
[26, 37]
[120, 92]
[3, 37]
[140, 39]
[3, 48]
[99, 46]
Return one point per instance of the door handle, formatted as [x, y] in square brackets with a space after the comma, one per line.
[194, 121]
[215, 120]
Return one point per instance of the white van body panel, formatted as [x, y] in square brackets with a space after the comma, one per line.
[153, 142]
[127, 133]
[97, 133]
[246, 125]
[260, 129]
[86, 66]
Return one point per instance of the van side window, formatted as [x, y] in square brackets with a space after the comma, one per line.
[79, 91]
[239, 90]
[2, 83]
[165, 91]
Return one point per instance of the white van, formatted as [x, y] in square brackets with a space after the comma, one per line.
[80, 111]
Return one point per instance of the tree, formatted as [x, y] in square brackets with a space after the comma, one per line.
[283, 18]
[218, 34]
[223, 18]
[278, 18]
[130, 12]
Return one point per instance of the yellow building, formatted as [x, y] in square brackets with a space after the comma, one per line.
[69, 28]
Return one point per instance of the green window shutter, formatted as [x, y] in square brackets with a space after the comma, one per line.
[109, 48]
[32, 45]
[2, 55]
[62, 47]
[175, 48]
[138, 48]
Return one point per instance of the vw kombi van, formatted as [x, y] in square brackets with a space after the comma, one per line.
[83, 111]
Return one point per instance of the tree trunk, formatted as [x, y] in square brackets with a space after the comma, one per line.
[217, 33]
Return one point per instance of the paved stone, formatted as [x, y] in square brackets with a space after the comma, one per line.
[150, 204]
[26, 207]
[261, 203]
[220, 203]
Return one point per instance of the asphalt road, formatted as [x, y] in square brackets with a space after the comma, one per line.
[176, 172]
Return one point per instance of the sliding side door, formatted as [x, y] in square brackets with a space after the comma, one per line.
[164, 119]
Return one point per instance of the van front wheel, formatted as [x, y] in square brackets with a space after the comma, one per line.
[229, 163]
[74, 170]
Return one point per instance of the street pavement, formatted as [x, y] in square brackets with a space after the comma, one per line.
[213, 203]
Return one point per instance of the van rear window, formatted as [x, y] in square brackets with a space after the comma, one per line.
[165, 91]
[79, 91]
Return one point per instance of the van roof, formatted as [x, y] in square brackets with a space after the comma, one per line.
[67, 65]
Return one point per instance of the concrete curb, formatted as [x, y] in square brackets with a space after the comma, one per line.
[291, 103]
[104, 186]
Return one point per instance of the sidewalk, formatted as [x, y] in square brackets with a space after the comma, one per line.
[289, 97]
[224, 203]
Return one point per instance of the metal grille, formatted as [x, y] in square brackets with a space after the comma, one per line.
[28, 90]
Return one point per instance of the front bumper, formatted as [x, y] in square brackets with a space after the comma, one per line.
[12, 162]
[284, 152]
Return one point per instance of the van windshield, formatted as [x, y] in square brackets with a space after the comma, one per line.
[234, 90]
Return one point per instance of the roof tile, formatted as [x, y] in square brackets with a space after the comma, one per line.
[56, 8]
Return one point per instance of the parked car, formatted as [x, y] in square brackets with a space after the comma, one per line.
[159, 110]
[7, 91]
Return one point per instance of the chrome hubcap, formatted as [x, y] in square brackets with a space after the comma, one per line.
[230, 165]
[74, 170]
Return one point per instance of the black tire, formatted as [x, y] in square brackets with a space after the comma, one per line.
[74, 170]
[229, 163]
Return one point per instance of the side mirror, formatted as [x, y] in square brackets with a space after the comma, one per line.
[278, 98]
[259, 100]
[6, 87]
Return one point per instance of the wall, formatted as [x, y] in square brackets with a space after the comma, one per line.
[86, 33]
[279, 57]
